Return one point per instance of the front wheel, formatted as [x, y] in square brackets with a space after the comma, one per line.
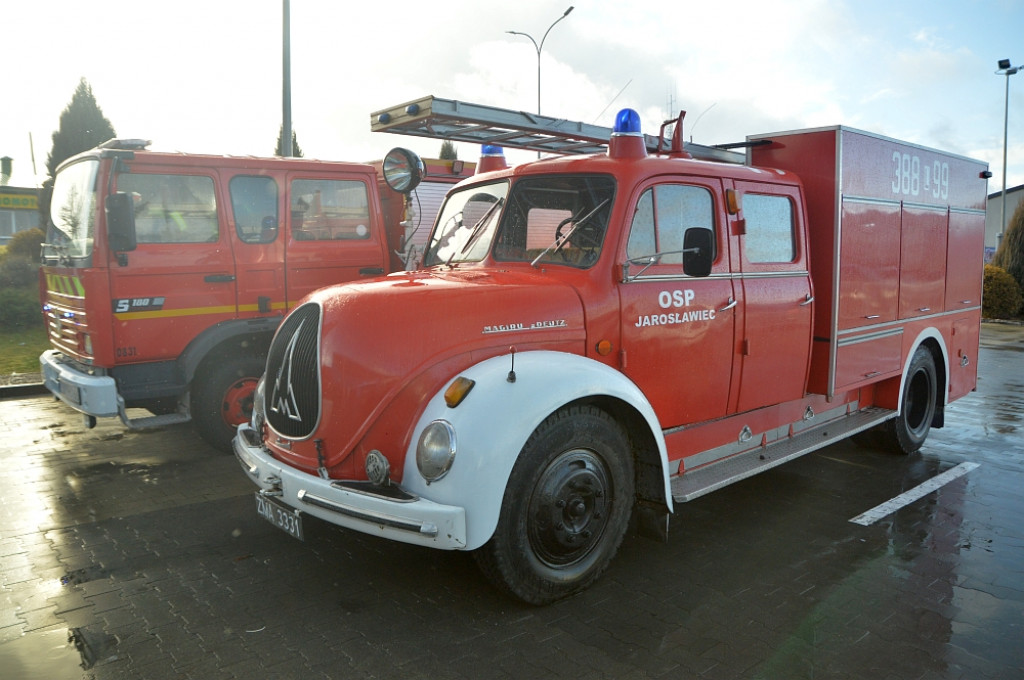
[222, 397]
[907, 431]
[565, 509]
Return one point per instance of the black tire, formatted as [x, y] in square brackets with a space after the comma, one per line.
[565, 510]
[222, 394]
[906, 432]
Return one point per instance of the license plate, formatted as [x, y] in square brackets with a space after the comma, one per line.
[280, 515]
[72, 392]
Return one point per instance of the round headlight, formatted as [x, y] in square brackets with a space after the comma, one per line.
[436, 450]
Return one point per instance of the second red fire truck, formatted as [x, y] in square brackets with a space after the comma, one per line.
[610, 333]
[165, 274]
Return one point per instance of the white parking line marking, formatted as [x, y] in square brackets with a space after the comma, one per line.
[907, 497]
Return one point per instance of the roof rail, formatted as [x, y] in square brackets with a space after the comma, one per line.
[479, 124]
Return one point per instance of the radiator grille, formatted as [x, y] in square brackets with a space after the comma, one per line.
[293, 374]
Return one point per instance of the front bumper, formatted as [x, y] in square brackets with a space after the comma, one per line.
[93, 395]
[412, 520]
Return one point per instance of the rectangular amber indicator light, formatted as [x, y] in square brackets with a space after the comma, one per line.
[457, 391]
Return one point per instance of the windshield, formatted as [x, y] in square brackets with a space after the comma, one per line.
[73, 210]
[552, 219]
[466, 225]
[556, 220]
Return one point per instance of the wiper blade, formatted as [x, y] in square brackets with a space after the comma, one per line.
[477, 230]
[576, 224]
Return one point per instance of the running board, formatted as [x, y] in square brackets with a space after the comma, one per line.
[180, 416]
[157, 421]
[714, 476]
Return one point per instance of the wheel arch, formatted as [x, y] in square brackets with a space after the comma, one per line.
[227, 337]
[891, 392]
[489, 446]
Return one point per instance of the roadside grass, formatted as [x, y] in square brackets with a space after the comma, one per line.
[20, 350]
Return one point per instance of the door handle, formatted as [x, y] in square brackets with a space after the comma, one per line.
[219, 278]
[371, 271]
[732, 303]
[808, 300]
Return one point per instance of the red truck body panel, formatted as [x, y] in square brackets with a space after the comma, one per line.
[895, 233]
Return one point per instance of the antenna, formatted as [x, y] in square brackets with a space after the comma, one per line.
[598, 117]
[698, 119]
[32, 151]
[512, 373]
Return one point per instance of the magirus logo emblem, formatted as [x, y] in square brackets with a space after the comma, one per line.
[282, 397]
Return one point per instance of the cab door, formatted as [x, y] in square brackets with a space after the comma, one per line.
[678, 331]
[335, 232]
[181, 277]
[776, 300]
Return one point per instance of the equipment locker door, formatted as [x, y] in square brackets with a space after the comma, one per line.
[775, 336]
[677, 330]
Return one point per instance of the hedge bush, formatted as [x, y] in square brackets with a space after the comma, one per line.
[17, 272]
[27, 244]
[1001, 298]
[19, 309]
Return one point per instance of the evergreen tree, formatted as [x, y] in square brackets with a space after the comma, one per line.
[1010, 255]
[82, 127]
[296, 149]
[448, 152]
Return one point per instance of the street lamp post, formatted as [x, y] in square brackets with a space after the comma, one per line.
[540, 47]
[1007, 70]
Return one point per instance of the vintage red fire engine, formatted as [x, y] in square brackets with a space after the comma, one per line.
[166, 274]
[610, 333]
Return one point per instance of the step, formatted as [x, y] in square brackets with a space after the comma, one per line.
[157, 421]
[714, 476]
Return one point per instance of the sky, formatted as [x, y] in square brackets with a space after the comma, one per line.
[205, 76]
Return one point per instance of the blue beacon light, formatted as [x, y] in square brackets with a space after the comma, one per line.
[627, 122]
[492, 157]
[627, 141]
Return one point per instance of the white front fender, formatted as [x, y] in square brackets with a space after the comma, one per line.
[497, 417]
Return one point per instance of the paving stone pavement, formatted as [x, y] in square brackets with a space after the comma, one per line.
[139, 555]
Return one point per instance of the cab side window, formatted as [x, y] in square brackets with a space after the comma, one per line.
[770, 226]
[254, 205]
[172, 208]
[330, 210]
[662, 216]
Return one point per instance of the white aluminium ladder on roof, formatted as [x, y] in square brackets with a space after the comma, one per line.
[478, 124]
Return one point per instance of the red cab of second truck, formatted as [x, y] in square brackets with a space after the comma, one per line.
[178, 320]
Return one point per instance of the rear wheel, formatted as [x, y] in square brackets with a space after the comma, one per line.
[565, 509]
[906, 432]
[222, 398]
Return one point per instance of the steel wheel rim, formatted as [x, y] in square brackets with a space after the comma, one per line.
[570, 508]
[236, 407]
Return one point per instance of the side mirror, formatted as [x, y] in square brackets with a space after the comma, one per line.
[120, 210]
[698, 246]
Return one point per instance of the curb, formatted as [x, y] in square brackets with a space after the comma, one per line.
[20, 391]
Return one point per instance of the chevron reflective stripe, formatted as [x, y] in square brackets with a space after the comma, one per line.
[65, 285]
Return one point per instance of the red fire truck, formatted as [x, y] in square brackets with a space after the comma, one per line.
[611, 333]
[165, 274]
